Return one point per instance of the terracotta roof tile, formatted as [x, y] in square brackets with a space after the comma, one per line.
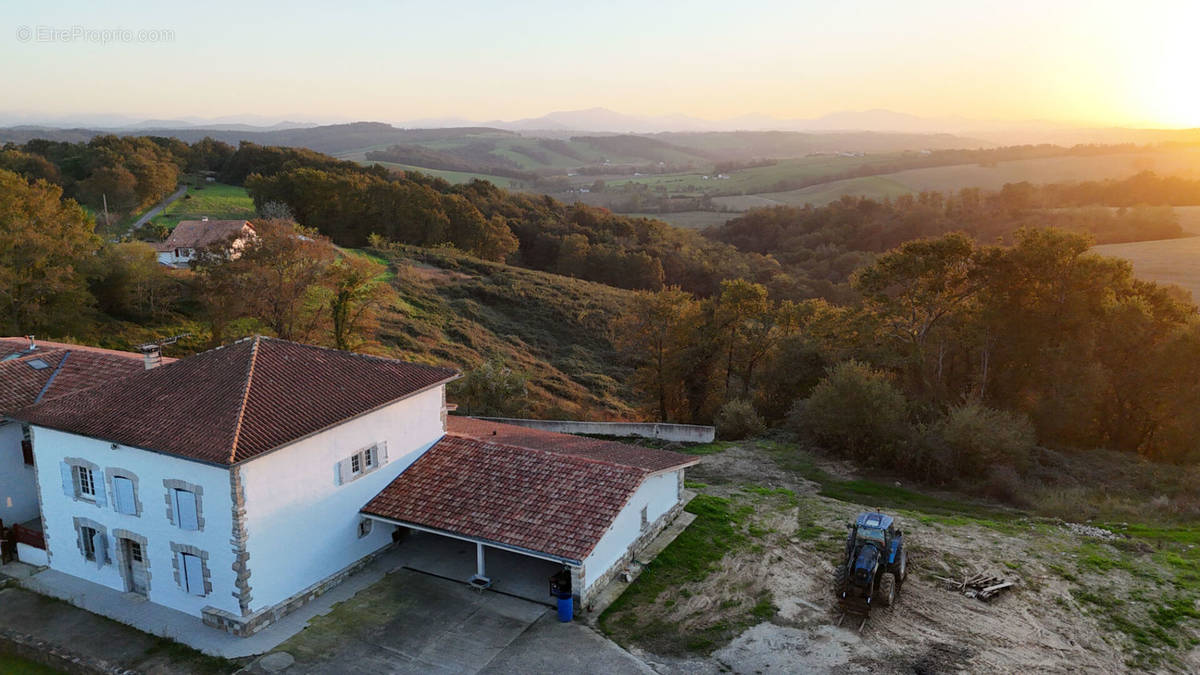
[67, 369]
[649, 459]
[236, 402]
[536, 500]
[200, 233]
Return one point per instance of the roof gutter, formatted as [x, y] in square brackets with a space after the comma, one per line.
[477, 540]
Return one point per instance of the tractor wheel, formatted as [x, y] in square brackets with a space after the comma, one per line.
[887, 589]
[839, 581]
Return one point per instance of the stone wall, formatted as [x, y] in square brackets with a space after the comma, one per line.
[679, 433]
[635, 549]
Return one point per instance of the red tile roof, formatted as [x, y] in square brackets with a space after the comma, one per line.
[541, 501]
[68, 368]
[200, 233]
[648, 459]
[233, 403]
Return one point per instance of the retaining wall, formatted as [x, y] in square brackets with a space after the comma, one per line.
[680, 433]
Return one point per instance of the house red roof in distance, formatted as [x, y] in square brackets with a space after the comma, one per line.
[235, 402]
[647, 459]
[48, 370]
[198, 234]
[537, 500]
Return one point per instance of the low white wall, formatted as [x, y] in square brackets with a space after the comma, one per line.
[302, 527]
[679, 433]
[52, 447]
[18, 487]
[657, 494]
[31, 556]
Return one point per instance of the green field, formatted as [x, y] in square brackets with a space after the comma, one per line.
[455, 177]
[214, 200]
[1183, 162]
[1168, 261]
[748, 181]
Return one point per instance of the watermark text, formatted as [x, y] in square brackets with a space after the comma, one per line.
[90, 35]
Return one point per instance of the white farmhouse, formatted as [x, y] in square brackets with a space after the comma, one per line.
[238, 484]
[192, 236]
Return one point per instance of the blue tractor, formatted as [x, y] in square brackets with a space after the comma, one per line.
[874, 567]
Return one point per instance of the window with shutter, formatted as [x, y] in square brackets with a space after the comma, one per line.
[191, 569]
[86, 482]
[185, 509]
[87, 536]
[123, 496]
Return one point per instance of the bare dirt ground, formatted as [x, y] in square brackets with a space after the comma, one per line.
[1040, 626]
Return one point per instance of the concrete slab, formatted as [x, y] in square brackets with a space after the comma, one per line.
[17, 570]
[412, 622]
[551, 647]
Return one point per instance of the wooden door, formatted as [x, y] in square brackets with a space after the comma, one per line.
[135, 567]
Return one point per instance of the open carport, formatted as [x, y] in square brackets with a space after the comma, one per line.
[458, 559]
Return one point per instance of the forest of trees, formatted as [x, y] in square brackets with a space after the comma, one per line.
[1037, 340]
[896, 330]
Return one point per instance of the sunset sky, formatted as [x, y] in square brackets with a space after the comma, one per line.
[1090, 62]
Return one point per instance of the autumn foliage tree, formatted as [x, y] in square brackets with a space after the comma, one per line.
[46, 244]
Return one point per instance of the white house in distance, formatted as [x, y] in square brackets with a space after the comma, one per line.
[32, 371]
[238, 484]
[192, 236]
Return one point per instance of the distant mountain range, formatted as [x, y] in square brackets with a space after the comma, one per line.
[563, 124]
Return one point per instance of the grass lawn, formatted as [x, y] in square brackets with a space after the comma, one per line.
[13, 665]
[455, 177]
[215, 200]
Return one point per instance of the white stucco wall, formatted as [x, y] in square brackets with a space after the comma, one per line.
[18, 488]
[302, 527]
[52, 447]
[657, 494]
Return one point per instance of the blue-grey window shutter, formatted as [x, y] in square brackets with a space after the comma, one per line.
[101, 493]
[381, 448]
[123, 500]
[99, 546]
[194, 572]
[68, 479]
[185, 510]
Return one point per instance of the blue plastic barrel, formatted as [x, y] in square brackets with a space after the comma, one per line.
[566, 607]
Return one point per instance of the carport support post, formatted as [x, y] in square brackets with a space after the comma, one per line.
[479, 561]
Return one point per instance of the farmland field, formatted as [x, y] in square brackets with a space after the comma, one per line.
[1182, 162]
[1169, 261]
[455, 177]
[214, 200]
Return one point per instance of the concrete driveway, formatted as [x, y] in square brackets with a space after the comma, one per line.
[412, 622]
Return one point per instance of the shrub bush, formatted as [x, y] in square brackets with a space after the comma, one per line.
[855, 411]
[981, 438]
[737, 419]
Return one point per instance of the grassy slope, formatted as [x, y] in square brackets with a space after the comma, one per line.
[215, 200]
[460, 311]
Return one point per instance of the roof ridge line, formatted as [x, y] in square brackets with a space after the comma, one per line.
[237, 429]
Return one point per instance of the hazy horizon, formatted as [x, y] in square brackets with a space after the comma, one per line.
[1075, 63]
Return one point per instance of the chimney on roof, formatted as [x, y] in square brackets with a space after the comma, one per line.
[32, 344]
[152, 355]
